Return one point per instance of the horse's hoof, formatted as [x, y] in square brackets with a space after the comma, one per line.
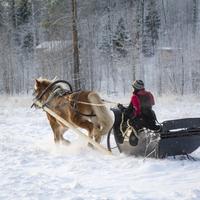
[91, 145]
[66, 142]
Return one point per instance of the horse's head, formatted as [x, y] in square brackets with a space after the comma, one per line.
[40, 85]
[40, 89]
[43, 87]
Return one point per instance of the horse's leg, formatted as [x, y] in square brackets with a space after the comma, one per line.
[96, 130]
[92, 127]
[61, 130]
[103, 117]
[83, 123]
[97, 135]
[58, 130]
[93, 131]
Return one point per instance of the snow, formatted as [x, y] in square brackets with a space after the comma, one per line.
[49, 46]
[32, 167]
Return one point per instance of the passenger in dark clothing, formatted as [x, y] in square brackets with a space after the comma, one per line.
[140, 110]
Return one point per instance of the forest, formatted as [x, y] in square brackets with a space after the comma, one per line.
[101, 45]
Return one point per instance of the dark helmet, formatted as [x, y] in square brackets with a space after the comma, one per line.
[138, 84]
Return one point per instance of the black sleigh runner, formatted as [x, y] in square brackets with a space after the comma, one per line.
[174, 137]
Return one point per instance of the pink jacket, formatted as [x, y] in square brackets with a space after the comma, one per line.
[135, 101]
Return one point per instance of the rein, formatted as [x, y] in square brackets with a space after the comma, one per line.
[86, 103]
[75, 101]
[74, 106]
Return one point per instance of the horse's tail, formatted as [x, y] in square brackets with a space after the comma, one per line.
[103, 116]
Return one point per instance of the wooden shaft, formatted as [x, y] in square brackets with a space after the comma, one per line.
[91, 141]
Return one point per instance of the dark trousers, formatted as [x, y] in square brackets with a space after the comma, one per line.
[147, 120]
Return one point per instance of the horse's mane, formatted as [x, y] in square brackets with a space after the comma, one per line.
[44, 80]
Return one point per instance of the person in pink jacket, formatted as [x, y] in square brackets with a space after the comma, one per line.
[140, 110]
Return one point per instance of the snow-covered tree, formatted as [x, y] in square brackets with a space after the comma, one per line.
[121, 39]
[151, 30]
[157, 41]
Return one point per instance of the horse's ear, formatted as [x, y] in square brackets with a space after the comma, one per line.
[37, 83]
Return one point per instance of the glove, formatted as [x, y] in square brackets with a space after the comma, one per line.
[120, 106]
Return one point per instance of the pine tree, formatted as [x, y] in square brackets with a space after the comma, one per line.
[23, 21]
[121, 39]
[23, 12]
[1, 15]
[151, 30]
[56, 17]
[195, 15]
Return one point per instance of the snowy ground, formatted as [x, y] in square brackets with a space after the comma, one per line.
[33, 168]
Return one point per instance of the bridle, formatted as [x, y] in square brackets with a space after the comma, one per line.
[39, 96]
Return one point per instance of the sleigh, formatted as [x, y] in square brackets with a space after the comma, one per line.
[175, 137]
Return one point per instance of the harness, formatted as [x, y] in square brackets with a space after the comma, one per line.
[59, 91]
[39, 96]
[127, 129]
[75, 101]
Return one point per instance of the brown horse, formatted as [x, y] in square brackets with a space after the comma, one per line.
[83, 109]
